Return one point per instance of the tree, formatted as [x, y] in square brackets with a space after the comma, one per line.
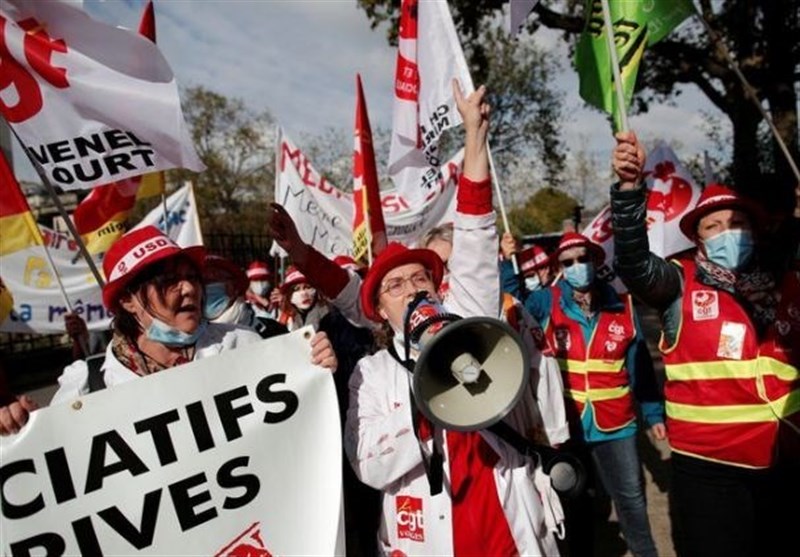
[237, 146]
[545, 211]
[761, 35]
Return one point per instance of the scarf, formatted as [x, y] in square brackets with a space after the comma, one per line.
[755, 289]
[130, 356]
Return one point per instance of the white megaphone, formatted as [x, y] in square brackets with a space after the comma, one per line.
[470, 372]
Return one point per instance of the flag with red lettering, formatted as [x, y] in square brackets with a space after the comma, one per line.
[369, 230]
[672, 192]
[18, 228]
[100, 217]
[92, 103]
[429, 57]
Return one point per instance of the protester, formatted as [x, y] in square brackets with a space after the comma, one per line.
[260, 290]
[489, 504]
[605, 364]
[534, 266]
[731, 332]
[301, 304]
[225, 284]
[154, 289]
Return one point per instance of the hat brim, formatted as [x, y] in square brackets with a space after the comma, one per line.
[113, 290]
[598, 254]
[690, 220]
[369, 288]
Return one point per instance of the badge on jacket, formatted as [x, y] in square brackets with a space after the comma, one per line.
[731, 340]
[705, 305]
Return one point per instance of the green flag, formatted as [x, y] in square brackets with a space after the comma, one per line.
[636, 25]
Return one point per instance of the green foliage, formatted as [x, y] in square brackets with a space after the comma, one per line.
[545, 211]
[760, 35]
[237, 147]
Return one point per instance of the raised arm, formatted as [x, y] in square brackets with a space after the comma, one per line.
[647, 276]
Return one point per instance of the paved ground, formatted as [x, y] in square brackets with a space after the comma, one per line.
[655, 459]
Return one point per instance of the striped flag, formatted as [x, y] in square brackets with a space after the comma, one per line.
[100, 217]
[369, 229]
[18, 229]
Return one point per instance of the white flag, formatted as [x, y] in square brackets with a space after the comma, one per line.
[92, 103]
[182, 222]
[323, 213]
[672, 193]
[429, 56]
[520, 10]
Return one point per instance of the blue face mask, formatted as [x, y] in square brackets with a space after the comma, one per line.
[533, 283]
[731, 249]
[159, 331]
[217, 300]
[579, 275]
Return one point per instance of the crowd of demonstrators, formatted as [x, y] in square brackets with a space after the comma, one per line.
[606, 367]
[730, 319]
[225, 285]
[158, 305]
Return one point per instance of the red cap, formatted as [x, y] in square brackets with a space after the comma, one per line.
[258, 270]
[714, 198]
[293, 276]
[239, 277]
[134, 252]
[395, 255]
[348, 263]
[574, 240]
[533, 258]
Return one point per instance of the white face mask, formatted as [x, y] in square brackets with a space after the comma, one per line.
[532, 283]
[260, 287]
[303, 299]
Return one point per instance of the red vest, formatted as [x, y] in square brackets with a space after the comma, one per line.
[727, 390]
[596, 373]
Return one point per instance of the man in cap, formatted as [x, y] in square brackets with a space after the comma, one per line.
[606, 367]
[731, 349]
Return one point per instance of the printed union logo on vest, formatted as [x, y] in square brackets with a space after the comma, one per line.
[410, 522]
[705, 305]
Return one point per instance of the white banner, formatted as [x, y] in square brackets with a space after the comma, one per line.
[93, 103]
[429, 56]
[228, 455]
[323, 213]
[182, 222]
[38, 302]
[672, 193]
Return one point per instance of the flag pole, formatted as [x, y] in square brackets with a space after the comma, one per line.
[166, 212]
[749, 91]
[368, 221]
[501, 205]
[612, 52]
[61, 209]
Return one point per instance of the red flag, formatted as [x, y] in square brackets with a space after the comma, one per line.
[100, 217]
[366, 192]
[147, 25]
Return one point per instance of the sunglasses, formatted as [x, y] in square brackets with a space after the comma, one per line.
[579, 259]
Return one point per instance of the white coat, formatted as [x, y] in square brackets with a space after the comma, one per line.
[218, 337]
[384, 451]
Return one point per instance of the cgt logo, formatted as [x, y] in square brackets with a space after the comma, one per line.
[19, 75]
[409, 518]
[677, 195]
[247, 544]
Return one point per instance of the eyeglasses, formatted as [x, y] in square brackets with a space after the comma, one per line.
[579, 259]
[171, 280]
[396, 286]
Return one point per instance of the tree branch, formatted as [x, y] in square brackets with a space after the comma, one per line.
[555, 20]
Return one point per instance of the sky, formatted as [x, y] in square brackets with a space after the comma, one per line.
[298, 59]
